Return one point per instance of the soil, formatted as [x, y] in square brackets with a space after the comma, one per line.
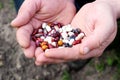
[15, 66]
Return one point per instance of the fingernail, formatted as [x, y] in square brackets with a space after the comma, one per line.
[13, 20]
[86, 50]
[38, 64]
[46, 52]
[13, 23]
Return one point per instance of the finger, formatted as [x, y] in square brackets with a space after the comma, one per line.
[101, 34]
[91, 54]
[98, 51]
[63, 53]
[38, 63]
[42, 59]
[23, 35]
[26, 12]
[30, 51]
[38, 51]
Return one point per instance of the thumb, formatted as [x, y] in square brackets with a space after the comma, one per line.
[89, 43]
[101, 35]
[26, 12]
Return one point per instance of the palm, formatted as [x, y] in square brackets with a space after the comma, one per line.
[33, 13]
[98, 25]
[53, 11]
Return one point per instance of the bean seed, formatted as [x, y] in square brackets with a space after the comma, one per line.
[55, 35]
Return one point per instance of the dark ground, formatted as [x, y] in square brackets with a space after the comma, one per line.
[14, 66]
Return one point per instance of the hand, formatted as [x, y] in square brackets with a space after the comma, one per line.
[98, 22]
[33, 12]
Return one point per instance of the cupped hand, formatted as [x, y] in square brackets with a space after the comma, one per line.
[98, 21]
[34, 12]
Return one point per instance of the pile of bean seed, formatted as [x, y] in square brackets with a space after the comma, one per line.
[51, 35]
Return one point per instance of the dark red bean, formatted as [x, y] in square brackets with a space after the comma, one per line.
[50, 46]
[34, 38]
[40, 40]
[56, 34]
[37, 43]
[59, 25]
[53, 35]
[56, 39]
[76, 42]
[35, 31]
